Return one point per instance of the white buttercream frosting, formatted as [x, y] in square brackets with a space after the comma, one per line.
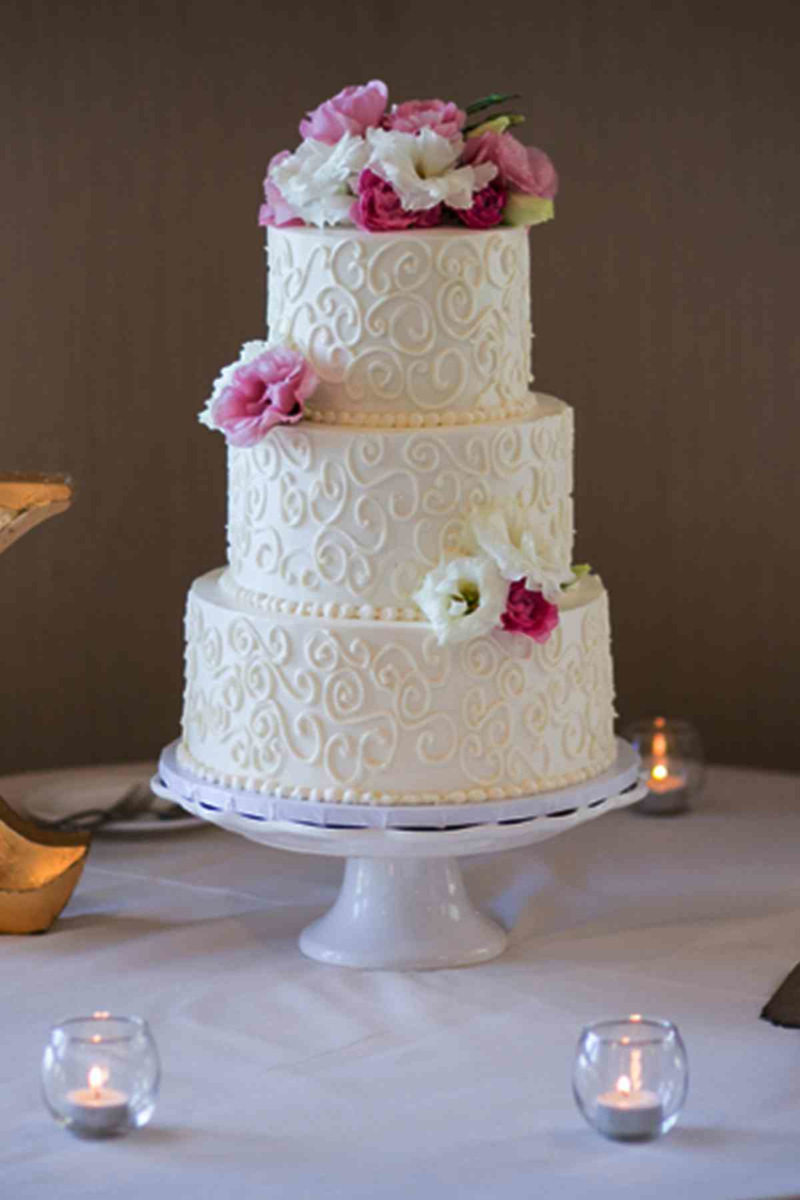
[429, 321]
[311, 669]
[382, 714]
[329, 515]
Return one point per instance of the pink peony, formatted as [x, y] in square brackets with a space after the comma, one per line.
[529, 613]
[270, 390]
[353, 110]
[520, 168]
[487, 207]
[442, 116]
[379, 210]
[275, 210]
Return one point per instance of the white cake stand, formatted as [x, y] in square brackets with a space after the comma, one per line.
[403, 904]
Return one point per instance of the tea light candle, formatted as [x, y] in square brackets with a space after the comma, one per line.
[629, 1114]
[662, 780]
[97, 1109]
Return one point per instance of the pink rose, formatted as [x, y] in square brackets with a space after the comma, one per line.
[353, 110]
[487, 207]
[270, 390]
[529, 613]
[379, 210]
[275, 210]
[519, 168]
[443, 117]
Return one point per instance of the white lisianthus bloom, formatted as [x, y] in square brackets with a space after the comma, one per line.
[248, 352]
[318, 181]
[463, 598]
[421, 167]
[505, 532]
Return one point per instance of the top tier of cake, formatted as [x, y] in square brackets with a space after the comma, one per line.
[406, 328]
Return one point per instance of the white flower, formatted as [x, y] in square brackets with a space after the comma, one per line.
[319, 180]
[421, 167]
[248, 352]
[505, 531]
[463, 598]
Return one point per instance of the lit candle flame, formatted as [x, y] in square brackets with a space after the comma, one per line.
[97, 1077]
[659, 771]
[660, 745]
[624, 1085]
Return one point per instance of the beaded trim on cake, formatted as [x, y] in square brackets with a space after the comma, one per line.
[338, 795]
[429, 420]
[264, 603]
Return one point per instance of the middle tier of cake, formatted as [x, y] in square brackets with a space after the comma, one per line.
[340, 522]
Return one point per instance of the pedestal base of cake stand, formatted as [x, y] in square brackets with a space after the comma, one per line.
[402, 914]
[402, 904]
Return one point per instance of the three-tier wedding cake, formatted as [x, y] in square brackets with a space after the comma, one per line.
[399, 621]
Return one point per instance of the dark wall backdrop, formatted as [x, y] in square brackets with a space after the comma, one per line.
[134, 140]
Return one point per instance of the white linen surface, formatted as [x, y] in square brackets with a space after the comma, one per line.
[285, 1078]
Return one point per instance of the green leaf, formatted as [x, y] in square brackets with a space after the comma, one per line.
[490, 101]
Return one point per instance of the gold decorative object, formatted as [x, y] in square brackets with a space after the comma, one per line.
[39, 867]
[25, 500]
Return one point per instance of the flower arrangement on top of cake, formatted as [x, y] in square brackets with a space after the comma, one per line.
[415, 165]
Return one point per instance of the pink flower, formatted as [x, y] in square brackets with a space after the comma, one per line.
[487, 208]
[519, 168]
[270, 390]
[443, 117]
[529, 613]
[379, 210]
[353, 110]
[276, 210]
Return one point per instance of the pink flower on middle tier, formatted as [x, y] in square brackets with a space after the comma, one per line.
[487, 208]
[276, 210]
[529, 613]
[442, 116]
[378, 208]
[270, 390]
[352, 110]
[519, 168]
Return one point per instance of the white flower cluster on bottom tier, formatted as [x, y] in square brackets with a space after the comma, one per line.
[381, 714]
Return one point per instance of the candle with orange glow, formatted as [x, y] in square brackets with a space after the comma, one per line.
[661, 779]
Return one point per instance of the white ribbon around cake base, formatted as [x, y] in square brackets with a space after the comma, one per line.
[403, 904]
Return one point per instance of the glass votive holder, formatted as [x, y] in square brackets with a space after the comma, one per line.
[672, 762]
[631, 1077]
[100, 1074]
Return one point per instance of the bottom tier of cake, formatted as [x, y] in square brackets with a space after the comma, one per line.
[376, 712]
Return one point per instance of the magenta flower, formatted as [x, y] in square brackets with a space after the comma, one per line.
[353, 110]
[487, 207]
[276, 210]
[519, 168]
[442, 116]
[270, 390]
[529, 613]
[378, 208]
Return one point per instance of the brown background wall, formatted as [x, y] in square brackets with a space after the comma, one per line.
[665, 304]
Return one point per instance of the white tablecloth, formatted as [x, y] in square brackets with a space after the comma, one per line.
[284, 1078]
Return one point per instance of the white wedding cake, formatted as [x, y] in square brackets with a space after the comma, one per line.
[399, 621]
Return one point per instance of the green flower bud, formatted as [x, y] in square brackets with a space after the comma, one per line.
[526, 210]
[579, 571]
[495, 125]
